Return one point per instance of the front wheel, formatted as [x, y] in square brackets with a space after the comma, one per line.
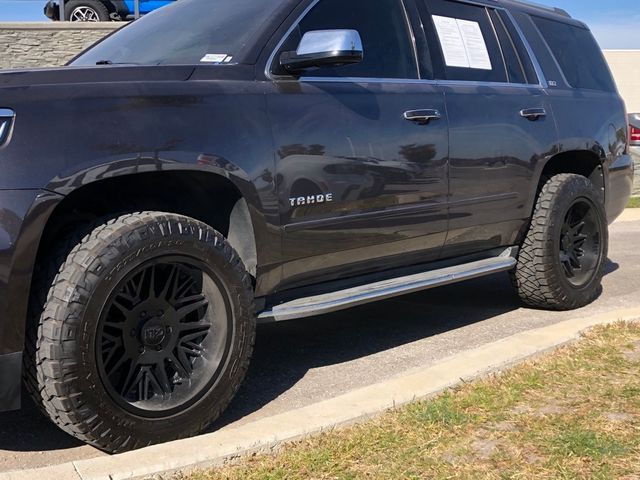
[147, 332]
[561, 262]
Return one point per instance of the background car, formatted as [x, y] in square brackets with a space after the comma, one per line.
[634, 137]
[100, 10]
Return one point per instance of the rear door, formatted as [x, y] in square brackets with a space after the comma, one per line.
[361, 188]
[500, 122]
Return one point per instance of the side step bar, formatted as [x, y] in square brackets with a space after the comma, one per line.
[351, 297]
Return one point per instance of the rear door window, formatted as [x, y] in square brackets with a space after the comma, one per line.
[469, 47]
[577, 54]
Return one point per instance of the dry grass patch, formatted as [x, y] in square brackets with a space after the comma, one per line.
[572, 414]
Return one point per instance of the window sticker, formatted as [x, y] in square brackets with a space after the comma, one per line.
[462, 43]
[216, 58]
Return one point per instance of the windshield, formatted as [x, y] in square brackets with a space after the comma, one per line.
[186, 32]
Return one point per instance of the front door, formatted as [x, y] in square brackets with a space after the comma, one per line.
[361, 188]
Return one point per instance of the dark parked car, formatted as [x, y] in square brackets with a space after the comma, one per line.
[101, 10]
[218, 163]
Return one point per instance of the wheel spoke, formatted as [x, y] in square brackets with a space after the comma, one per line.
[191, 349]
[151, 385]
[190, 326]
[199, 301]
[160, 374]
[110, 345]
[152, 282]
[128, 384]
[184, 288]
[140, 384]
[566, 263]
[138, 285]
[181, 369]
[184, 361]
[121, 361]
[575, 261]
[170, 284]
[120, 306]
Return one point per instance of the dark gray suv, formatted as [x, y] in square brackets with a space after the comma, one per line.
[220, 163]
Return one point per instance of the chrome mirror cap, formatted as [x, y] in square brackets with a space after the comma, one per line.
[330, 41]
[324, 48]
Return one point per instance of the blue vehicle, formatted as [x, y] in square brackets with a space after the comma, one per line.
[100, 10]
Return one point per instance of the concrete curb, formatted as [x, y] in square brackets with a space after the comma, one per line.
[629, 215]
[266, 434]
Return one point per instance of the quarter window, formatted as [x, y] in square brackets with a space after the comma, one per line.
[577, 53]
[382, 24]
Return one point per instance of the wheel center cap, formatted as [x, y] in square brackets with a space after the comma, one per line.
[153, 334]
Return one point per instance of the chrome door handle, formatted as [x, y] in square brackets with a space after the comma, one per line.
[422, 117]
[533, 114]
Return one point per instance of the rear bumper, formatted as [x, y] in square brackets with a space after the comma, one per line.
[619, 186]
[11, 381]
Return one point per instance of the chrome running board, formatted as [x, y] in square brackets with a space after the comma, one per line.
[351, 297]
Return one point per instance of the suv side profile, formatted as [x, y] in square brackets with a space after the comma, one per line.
[235, 162]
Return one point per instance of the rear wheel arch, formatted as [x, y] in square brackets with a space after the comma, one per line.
[587, 163]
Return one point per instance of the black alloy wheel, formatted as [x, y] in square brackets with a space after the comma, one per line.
[580, 242]
[163, 336]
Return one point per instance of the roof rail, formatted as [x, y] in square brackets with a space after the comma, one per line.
[556, 10]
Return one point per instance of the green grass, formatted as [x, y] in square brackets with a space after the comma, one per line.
[634, 202]
[572, 414]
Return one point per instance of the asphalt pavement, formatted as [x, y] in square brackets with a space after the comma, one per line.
[301, 362]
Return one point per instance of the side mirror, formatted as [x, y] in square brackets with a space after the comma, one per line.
[324, 48]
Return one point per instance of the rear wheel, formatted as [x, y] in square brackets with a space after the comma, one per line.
[561, 262]
[146, 334]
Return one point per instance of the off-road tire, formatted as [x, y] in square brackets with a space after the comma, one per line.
[97, 6]
[44, 274]
[72, 392]
[539, 277]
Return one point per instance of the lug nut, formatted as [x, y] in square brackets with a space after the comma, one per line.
[143, 315]
[169, 330]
